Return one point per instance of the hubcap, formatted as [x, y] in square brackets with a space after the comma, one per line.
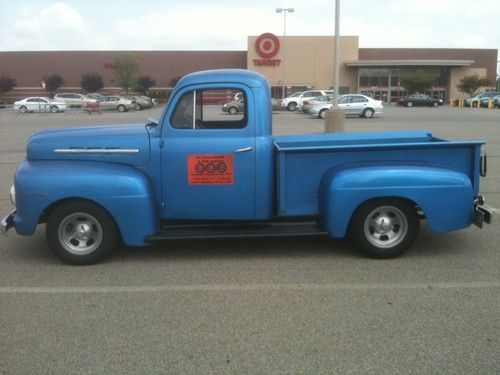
[80, 233]
[386, 227]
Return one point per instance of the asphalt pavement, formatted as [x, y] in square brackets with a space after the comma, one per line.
[260, 306]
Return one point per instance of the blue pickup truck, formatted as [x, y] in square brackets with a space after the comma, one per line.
[199, 172]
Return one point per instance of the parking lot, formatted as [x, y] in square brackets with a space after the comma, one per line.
[256, 306]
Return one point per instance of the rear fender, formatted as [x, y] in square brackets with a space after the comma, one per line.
[445, 196]
[125, 192]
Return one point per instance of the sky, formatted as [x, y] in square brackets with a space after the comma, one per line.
[224, 25]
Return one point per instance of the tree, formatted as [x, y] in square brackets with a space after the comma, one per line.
[143, 84]
[125, 69]
[91, 82]
[53, 82]
[174, 81]
[469, 84]
[418, 83]
[7, 83]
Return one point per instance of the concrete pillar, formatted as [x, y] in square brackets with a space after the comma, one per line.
[335, 121]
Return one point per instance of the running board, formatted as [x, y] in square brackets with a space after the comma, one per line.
[205, 231]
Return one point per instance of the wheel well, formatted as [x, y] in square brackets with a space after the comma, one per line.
[46, 213]
[401, 199]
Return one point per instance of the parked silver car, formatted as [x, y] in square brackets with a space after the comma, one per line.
[352, 105]
[39, 104]
[140, 102]
[117, 102]
[74, 100]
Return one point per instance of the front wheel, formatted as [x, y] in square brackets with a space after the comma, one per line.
[384, 228]
[54, 109]
[23, 109]
[81, 232]
[435, 104]
[121, 108]
[292, 106]
[409, 104]
[233, 110]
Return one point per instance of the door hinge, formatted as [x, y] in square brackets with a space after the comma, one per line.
[162, 142]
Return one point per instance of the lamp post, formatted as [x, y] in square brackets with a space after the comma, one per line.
[335, 118]
[284, 11]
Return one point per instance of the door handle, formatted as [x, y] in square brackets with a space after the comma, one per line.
[246, 149]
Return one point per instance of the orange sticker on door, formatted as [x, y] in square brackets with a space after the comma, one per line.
[210, 169]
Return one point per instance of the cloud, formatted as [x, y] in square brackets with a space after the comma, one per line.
[225, 24]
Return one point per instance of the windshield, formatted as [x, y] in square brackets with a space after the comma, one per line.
[295, 94]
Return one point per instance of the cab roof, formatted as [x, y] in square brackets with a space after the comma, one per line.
[247, 77]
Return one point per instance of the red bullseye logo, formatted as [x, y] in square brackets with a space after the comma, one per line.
[267, 45]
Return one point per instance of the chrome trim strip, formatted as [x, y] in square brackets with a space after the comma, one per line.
[96, 151]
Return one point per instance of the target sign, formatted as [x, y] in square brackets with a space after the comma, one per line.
[267, 45]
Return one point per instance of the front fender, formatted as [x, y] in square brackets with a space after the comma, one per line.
[125, 192]
[445, 196]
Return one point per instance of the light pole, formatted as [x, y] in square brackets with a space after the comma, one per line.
[284, 11]
[335, 118]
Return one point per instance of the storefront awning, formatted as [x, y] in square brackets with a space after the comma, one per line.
[402, 63]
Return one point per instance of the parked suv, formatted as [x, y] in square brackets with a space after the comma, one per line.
[295, 101]
[74, 100]
[479, 97]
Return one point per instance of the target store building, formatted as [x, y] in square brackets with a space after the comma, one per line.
[295, 63]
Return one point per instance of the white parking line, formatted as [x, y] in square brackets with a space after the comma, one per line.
[245, 287]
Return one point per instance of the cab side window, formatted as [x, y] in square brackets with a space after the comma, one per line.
[211, 109]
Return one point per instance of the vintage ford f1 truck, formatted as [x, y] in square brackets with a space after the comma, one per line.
[198, 172]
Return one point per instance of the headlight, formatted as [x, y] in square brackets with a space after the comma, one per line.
[13, 195]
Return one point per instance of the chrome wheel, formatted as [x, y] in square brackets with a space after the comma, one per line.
[385, 227]
[80, 233]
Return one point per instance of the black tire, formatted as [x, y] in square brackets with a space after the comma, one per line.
[409, 104]
[322, 113]
[81, 232]
[435, 104]
[121, 108]
[233, 110]
[54, 109]
[368, 113]
[23, 109]
[291, 106]
[384, 228]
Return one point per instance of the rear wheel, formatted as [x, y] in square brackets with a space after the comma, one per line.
[434, 104]
[54, 109]
[80, 232]
[233, 110]
[409, 104]
[368, 112]
[121, 108]
[23, 109]
[384, 228]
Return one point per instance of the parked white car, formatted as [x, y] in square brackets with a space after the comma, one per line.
[295, 101]
[117, 102]
[74, 100]
[39, 104]
[352, 105]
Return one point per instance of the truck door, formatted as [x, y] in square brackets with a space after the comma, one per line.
[208, 157]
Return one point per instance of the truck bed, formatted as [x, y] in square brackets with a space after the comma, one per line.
[302, 160]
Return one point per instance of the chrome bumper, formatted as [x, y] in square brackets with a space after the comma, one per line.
[7, 222]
